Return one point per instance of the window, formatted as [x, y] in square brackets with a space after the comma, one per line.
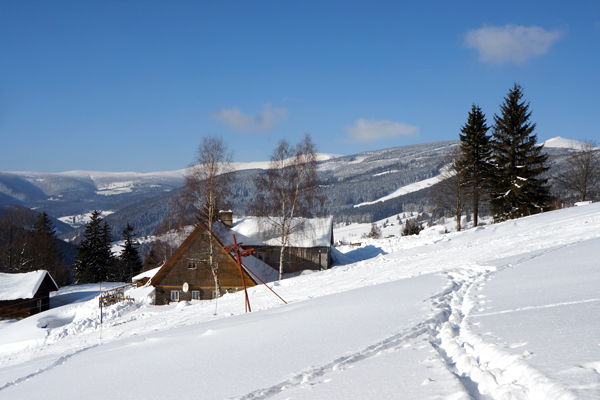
[260, 256]
[214, 294]
[174, 295]
[195, 295]
[191, 265]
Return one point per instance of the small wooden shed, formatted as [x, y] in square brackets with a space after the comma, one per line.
[25, 294]
[187, 275]
[143, 277]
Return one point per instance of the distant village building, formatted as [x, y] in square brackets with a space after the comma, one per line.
[22, 295]
[187, 276]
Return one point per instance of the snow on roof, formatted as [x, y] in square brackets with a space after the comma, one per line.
[21, 286]
[146, 274]
[317, 233]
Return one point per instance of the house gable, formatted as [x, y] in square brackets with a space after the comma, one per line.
[189, 264]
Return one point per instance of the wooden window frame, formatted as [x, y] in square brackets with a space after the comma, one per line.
[195, 295]
[175, 295]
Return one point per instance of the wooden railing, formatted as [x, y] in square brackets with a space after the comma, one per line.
[115, 295]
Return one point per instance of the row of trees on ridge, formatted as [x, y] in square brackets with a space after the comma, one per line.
[507, 170]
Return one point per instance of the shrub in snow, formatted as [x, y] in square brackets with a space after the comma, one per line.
[412, 227]
[374, 234]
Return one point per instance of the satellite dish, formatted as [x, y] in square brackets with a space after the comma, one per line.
[186, 287]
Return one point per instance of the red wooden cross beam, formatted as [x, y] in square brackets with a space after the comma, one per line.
[236, 249]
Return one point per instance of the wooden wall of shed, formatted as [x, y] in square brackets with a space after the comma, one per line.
[296, 259]
[23, 308]
[16, 309]
[43, 292]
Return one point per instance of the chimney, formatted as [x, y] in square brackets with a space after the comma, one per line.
[226, 218]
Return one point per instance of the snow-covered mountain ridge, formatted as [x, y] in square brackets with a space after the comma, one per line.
[500, 311]
[108, 183]
[68, 194]
[382, 182]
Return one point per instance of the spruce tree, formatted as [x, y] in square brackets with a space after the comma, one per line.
[44, 251]
[518, 189]
[476, 156]
[130, 262]
[94, 258]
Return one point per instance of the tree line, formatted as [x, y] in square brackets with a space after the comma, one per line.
[28, 243]
[505, 173]
[95, 261]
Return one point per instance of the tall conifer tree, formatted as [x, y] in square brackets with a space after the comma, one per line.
[476, 156]
[518, 188]
[44, 250]
[94, 258]
[130, 262]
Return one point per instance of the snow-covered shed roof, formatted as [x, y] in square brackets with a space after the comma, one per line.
[146, 274]
[22, 286]
[317, 232]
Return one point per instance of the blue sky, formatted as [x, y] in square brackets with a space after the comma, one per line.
[134, 85]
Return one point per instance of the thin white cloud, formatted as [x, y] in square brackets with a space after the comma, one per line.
[511, 43]
[240, 122]
[368, 130]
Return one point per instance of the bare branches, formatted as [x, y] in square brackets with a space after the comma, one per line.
[207, 187]
[208, 179]
[583, 172]
[15, 226]
[288, 192]
[450, 194]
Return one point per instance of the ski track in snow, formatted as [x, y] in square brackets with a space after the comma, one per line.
[55, 364]
[484, 369]
[338, 364]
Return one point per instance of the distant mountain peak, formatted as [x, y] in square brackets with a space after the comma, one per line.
[562, 143]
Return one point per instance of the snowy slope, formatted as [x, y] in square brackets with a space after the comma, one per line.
[496, 312]
[413, 187]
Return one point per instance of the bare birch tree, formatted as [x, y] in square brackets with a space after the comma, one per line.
[207, 186]
[450, 194]
[288, 193]
[583, 172]
[170, 232]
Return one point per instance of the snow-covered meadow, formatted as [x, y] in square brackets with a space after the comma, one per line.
[504, 311]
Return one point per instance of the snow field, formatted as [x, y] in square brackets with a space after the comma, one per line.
[506, 311]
